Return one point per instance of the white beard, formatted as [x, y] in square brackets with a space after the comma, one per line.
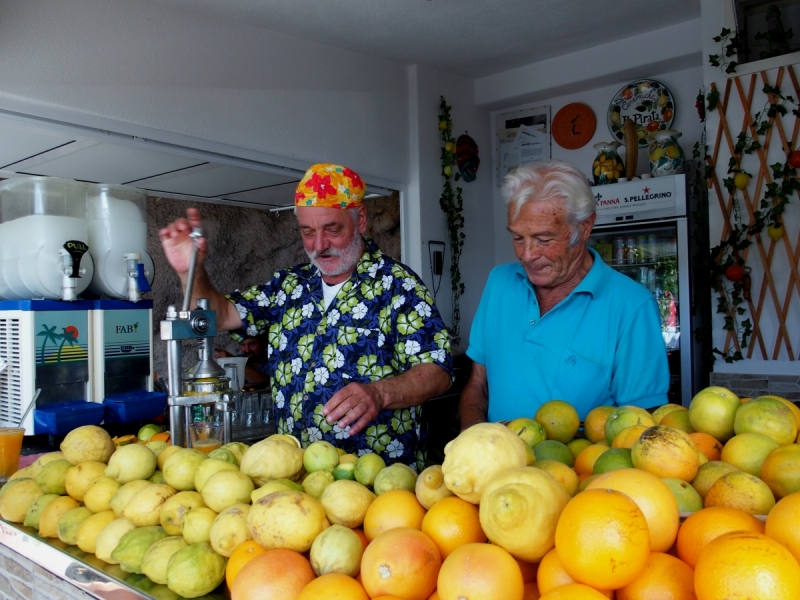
[349, 258]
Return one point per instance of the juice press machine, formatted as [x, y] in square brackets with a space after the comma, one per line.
[205, 390]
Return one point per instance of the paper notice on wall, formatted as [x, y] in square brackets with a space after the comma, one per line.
[523, 137]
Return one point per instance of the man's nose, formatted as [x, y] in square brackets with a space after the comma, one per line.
[320, 242]
[531, 250]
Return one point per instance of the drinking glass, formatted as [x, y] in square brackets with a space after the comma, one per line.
[266, 408]
[10, 447]
[205, 436]
[250, 415]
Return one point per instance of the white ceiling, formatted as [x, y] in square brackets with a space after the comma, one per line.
[472, 38]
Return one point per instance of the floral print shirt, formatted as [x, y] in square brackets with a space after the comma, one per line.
[382, 322]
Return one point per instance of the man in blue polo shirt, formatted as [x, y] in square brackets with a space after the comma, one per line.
[560, 323]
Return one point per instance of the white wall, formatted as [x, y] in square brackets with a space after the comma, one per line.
[684, 86]
[140, 68]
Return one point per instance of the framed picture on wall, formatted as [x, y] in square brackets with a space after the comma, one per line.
[766, 29]
[522, 137]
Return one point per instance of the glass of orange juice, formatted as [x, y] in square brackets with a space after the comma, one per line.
[205, 436]
[10, 446]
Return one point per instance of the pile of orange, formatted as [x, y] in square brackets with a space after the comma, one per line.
[621, 535]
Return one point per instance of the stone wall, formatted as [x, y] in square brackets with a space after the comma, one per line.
[246, 246]
[21, 579]
[751, 386]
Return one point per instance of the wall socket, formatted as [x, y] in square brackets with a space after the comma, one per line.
[438, 262]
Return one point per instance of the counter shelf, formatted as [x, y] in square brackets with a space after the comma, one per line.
[84, 571]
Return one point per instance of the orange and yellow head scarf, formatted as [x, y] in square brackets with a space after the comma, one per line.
[330, 186]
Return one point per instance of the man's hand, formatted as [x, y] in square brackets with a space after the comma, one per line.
[355, 405]
[178, 245]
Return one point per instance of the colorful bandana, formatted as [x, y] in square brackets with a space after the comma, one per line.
[330, 186]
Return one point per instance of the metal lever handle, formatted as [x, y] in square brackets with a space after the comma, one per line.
[197, 232]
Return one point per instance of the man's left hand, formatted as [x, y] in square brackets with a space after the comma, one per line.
[355, 405]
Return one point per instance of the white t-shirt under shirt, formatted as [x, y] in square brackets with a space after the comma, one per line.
[329, 292]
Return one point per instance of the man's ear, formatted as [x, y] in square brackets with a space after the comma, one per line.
[362, 219]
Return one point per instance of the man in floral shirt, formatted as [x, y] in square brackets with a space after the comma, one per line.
[356, 343]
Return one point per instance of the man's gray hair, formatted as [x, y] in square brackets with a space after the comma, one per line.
[551, 180]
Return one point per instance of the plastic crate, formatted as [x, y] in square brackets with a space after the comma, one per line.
[134, 407]
[62, 417]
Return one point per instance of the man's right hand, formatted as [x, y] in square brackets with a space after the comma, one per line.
[178, 245]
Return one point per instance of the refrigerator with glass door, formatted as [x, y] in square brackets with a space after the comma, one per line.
[642, 231]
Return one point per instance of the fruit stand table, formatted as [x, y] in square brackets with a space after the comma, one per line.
[33, 567]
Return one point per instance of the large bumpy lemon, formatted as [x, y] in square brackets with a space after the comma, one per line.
[477, 454]
[519, 510]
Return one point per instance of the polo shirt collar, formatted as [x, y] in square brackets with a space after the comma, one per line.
[593, 282]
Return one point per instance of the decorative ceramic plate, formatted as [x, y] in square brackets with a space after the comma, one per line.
[648, 103]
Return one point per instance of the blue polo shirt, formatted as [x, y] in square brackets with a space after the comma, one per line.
[601, 345]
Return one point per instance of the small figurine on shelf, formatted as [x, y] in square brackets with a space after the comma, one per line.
[607, 166]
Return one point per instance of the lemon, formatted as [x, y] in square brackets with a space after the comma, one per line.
[477, 454]
[740, 180]
[367, 468]
[519, 509]
[336, 550]
[346, 502]
[430, 487]
[230, 529]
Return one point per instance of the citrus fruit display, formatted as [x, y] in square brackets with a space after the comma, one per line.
[401, 562]
[453, 522]
[602, 539]
[559, 419]
[480, 572]
[745, 564]
[708, 524]
[654, 499]
[564, 517]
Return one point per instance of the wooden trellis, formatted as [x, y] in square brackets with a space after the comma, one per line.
[774, 304]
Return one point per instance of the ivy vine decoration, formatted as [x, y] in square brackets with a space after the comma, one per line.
[731, 45]
[452, 206]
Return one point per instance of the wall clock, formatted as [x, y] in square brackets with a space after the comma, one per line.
[573, 126]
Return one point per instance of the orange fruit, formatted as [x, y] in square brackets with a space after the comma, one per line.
[678, 419]
[627, 437]
[615, 458]
[530, 430]
[708, 474]
[575, 446]
[551, 572]
[688, 499]
[602, 539]
[162, 436]
[562, 473]
[625, 416]
[664, 577]
[453, 522]
[713, 410]
[792, 406]
[744, 564]
[401, 562]
[554, 450]
[333, 586]
[480, 572]
[664, 410]
[707, 444]
[769, 417]
[666, 452]
[594, 425]
[277, 574]
[743, 491]
[573, 591]
[559, 419]
[653, 498]
[434, 595]
[243, 554]
[747, 451]
[584, 462]
[395, 508]
[708, 524]
[362, 536]
[783, 526]
[781, 470]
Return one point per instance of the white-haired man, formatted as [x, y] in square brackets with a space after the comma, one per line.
[560, 324]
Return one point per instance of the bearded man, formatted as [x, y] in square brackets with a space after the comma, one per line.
[356, 343]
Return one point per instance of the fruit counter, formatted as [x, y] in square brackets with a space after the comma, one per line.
[696, 503]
